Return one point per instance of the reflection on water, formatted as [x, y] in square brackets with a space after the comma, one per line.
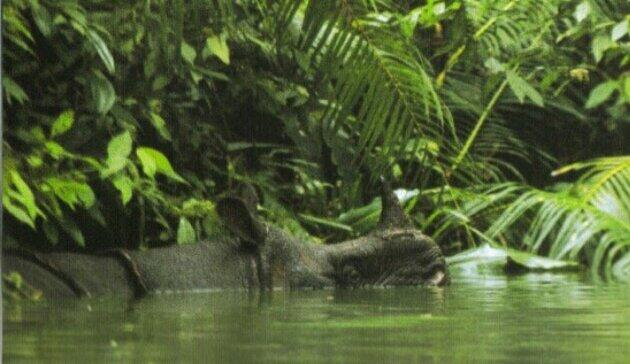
[480, 317]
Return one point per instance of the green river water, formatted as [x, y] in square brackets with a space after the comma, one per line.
[479, 318]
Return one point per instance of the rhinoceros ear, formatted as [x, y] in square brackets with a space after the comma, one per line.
[248, 194]
[392, 213]
[242, 220]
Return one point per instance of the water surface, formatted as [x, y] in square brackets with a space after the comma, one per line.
[536, 317]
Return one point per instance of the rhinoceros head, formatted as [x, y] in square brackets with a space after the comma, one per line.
[393, 254]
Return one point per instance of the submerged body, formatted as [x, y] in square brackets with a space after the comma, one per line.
[261, 256]
[202, 266]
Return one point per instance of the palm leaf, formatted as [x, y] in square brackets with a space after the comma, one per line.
[592, 213]
[380, 85]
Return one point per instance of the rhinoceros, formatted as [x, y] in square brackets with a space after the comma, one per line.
[256, 255]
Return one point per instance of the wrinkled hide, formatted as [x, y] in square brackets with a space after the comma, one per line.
[260, 256]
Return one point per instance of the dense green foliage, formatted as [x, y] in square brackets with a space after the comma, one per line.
[123, 120]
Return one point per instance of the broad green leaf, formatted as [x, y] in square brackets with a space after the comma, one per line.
[118, 149]
[25, 194]
[55, 149]
[188, 52]
[17, 212]
[72, 192]
[62, 124]
[522, 88]
[103, 94]
[102, 50]
[120, 146]
[217, 45]
[600, 93]
[154, 161]
[185, 232]
[581, 11]
[85, 194]
[13, 91]
[619, 30]
[125, 185]
[149, 166]
[408, 23]
[160, 125]
[599, 45]
[113, 166]
[35, 161]
[626, 87]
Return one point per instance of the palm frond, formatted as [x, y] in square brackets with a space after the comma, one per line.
[592, 213]
[504, 28]
[376, 76]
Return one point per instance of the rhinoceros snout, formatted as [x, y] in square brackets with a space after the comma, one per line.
[436, 275]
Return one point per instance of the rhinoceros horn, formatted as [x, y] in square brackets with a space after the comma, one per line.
[392, 213]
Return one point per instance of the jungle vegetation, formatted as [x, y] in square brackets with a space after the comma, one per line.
[503, 121]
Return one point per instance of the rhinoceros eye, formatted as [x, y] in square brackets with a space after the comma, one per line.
[350, 275]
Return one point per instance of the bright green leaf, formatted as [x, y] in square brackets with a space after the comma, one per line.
[581, 11]
[599, 45]
[154, 161]
[25, 194]
[113, 166]
[17, 212]
[62, 124]
[35, 161]
[149, 166]
[188, 52]
[600, 93]
[619, 30]
[85, 194]
[120, 146]
[118, 149]
[72, 192]
[185, 232]
[217, 45]
[55, 149]
[125, 185]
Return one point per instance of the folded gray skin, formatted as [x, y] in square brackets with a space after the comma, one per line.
[256, 256]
